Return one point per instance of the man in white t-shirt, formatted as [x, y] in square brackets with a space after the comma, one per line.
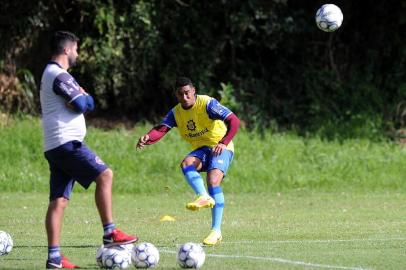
[63, 103]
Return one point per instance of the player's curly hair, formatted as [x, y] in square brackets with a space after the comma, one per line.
[59, 40]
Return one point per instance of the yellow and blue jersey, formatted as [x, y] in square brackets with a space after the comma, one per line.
[202, 124]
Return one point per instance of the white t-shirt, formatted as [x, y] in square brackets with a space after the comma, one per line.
[60, 123]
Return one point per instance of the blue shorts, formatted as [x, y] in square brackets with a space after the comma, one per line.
[210, 162]
[70, 162]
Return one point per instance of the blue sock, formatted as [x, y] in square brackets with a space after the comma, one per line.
[54, 254]
[108, 228]
[194, 179]
[217, 211]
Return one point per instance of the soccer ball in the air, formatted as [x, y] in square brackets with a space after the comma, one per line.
[329, 17]
[116, 257]
[145, 255]
[6, 243]
[191, 255]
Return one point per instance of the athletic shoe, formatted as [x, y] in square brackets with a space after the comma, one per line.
[65, 263]
[214, 238]
[117, 237]
[203, 201]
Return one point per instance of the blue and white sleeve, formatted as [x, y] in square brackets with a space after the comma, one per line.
[217, 111]
[169, 120]
[67, 87]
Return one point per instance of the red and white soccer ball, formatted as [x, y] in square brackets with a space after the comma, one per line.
[329, 17]
[6, 243]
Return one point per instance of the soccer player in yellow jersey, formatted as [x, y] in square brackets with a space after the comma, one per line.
[209, 127]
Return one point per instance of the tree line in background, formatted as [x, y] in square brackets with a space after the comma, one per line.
[264, 59]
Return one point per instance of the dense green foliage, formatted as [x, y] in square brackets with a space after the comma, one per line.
[266, 163]
[267, 59]
[294, 231]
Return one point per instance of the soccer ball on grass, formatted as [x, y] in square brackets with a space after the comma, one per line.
[145, 255]
[99, 254]
[116, 257]
[6, 243]
[329, 17]
[191, 255]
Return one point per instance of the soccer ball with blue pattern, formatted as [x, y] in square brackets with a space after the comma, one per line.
[99, 254]
[145, 255]
[6, 243]
[191, 255]
[329, 17]
[116, 257]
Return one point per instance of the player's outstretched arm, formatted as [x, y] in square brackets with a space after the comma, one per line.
[153, 136]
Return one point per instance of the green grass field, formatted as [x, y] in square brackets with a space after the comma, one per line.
[265, 163]
[291, 202]
[297, 230]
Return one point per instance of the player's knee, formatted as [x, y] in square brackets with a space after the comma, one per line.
[60, 203]
[215, 177]
[214, 182]
[188, 161]
[106, 177]
[185, 163]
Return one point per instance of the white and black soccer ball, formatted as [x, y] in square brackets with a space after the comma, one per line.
[145, 255]
[99, 254]
[6, 243]
[329, 17]
[116, 257]
[191, 255]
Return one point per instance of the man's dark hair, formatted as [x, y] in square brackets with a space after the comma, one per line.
[183, 81]
[59, 40]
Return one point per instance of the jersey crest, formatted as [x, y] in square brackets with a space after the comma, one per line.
[191, 125]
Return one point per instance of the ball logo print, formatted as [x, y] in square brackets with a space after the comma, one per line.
[329, 18]
[6, 243]
[191, 255]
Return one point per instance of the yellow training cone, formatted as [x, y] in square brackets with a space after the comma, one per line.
[167, 218]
